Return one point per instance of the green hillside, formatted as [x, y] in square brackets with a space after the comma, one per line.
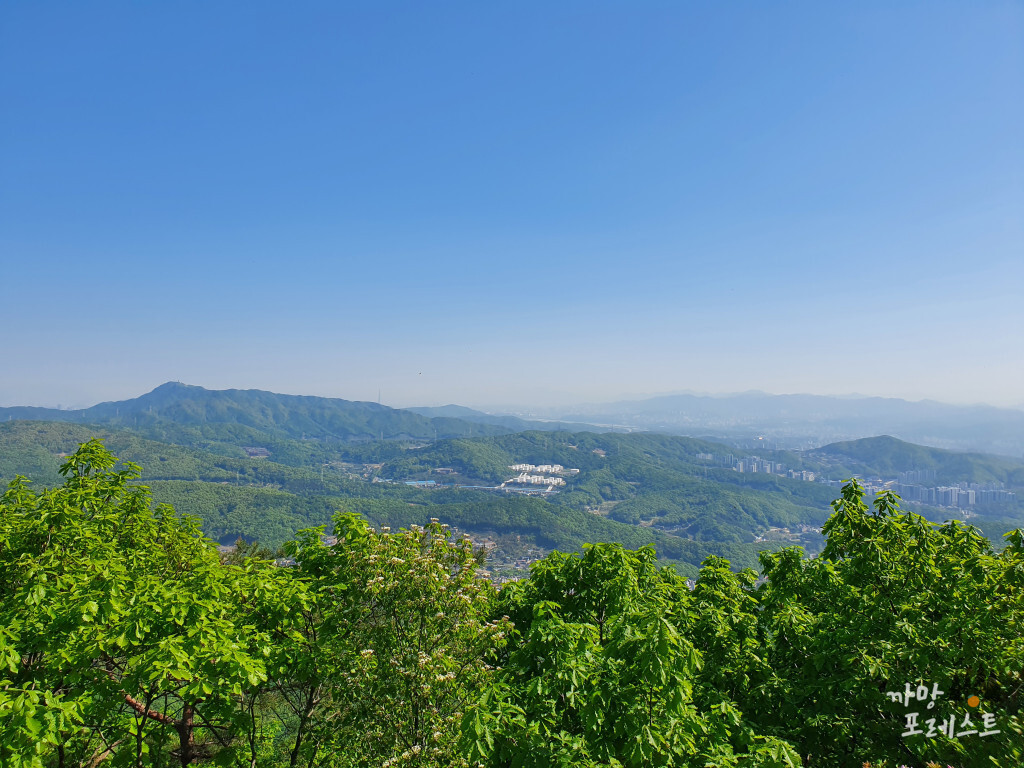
[291, 416]
[634, 489]
[886, 456]
[261, 499]
[267, 500]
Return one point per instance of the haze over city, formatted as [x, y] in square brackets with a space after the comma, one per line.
[527, 205]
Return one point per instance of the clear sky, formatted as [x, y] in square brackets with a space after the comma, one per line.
[497, 203]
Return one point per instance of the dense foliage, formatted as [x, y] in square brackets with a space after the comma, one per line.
[126, 641]
[125, 638]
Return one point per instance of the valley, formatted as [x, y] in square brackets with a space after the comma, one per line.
[261, 467]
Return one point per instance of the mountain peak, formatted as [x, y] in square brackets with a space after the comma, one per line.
[174, 386]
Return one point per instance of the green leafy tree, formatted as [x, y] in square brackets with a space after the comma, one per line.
[124, 637]
[125, 640]
[603, 673]
[398, 647]
[893, 599]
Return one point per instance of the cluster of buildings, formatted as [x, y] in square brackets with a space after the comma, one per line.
[916, 476]
[544, 469]
[542, 476]
[961, 495]
[911, 485]
[532, 480]
[525, 479]
[757, 464]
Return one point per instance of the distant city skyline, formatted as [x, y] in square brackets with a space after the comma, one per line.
[540, 204]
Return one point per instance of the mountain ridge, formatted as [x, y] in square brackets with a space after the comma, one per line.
[294, 416]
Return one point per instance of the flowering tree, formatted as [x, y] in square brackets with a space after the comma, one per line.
[124, 639]
[404, 642]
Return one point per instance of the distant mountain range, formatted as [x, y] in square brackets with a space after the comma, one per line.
[287, 416]
[282, 416]
[262, 465]
[800, 421]
[783, 421]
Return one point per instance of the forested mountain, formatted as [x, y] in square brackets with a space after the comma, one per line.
[634, 489]
[176, 406]
[655, 481]
[267, 500]
[182, 413]
[886, 456]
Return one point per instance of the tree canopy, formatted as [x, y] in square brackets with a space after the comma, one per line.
[125, 640]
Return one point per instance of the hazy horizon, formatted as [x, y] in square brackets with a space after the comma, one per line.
[509, 407]
[470, 204]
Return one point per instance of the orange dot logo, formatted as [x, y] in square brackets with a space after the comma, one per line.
[973, 701]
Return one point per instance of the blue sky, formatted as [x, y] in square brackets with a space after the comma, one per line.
[518, 203]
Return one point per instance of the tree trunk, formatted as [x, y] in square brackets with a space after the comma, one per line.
[186, 735]
[303, 722]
